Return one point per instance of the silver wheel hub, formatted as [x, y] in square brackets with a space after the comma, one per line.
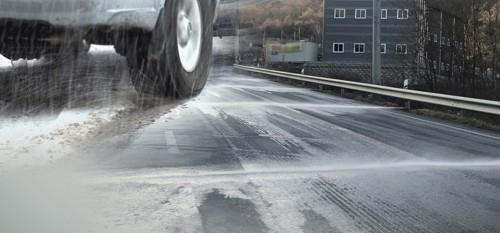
[189, 34]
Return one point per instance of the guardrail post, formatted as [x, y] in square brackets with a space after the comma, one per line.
[406, 85]
[408, 105]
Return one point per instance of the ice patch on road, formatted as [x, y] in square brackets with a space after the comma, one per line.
[28, 142]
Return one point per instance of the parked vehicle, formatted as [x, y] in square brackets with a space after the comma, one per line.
[167, 43]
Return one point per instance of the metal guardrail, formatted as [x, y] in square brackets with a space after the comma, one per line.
[479, 105]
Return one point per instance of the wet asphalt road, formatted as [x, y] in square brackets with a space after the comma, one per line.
[253, 155]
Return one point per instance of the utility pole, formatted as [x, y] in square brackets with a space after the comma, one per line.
[376, 57]
[440, 59]
[237, 31]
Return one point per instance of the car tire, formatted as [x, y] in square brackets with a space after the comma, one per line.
[180, 51]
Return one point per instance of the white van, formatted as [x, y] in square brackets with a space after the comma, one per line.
[167, 43]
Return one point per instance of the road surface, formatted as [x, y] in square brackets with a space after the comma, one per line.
[250, 155]
[253, 155]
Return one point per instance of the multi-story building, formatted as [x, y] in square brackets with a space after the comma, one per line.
[348, 30]
[414, 38]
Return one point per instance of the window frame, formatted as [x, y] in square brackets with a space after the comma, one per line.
[360, 10]
[401, 15]
[385, 48]
[339, 10]
[357, 44]
[401, 45]
[382, 14]
[339, 52]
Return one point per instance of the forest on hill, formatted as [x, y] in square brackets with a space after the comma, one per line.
[283, 18]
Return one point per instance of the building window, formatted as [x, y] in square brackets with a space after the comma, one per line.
[383, 14]
[401, 49]
[338, 47]
[359, 47]
[442, 66]
[360, 14]
[435, 65]
[443, 40]
[456, 44]
[435, 38]
[383, 48]
[449, 42]
[339, 13]
[402, 13]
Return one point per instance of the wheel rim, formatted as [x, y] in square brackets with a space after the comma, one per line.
[189, 33]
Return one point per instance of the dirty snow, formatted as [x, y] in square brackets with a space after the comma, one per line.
[7, 63]
[95, 49]
[28, 142]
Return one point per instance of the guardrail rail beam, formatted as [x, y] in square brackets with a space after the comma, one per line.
[472, 104]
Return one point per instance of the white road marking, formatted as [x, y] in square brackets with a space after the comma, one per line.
[171, 142]
[213, 93]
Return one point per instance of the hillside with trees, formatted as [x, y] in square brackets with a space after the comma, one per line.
[283, 18]
[481, 19]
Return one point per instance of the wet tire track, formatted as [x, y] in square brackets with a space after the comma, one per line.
[380, 217]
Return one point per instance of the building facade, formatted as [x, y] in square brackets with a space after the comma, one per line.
[418, 40]
[348, 30]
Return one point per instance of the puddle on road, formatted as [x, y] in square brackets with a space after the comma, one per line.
[223, 214]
